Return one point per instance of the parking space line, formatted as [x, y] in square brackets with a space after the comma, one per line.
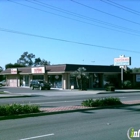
[38, 137]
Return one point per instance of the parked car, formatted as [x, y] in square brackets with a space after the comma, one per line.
[3, 83]
[40, 84]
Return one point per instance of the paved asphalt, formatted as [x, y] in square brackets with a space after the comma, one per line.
[57, 98]
[103, 124]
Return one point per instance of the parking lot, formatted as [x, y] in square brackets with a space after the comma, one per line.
[51, 92]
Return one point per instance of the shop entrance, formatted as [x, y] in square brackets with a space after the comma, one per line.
[55, 80]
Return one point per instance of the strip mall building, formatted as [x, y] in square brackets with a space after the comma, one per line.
[59, 75]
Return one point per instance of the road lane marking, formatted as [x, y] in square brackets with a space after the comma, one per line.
[38, 137]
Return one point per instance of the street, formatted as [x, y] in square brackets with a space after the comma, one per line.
[101, 124]
[56, 98]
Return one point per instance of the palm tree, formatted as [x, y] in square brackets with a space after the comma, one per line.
[81, 77]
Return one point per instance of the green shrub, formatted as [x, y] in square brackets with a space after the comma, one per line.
[127, 84]
[110, 88]
[101, 102]
[15, 109]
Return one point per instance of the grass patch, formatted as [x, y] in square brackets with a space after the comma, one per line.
[16, 109]
[102, 102]
[2, 92]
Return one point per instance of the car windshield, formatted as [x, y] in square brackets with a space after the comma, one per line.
[41, 81]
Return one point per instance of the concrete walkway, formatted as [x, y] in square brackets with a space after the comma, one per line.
[74, 108]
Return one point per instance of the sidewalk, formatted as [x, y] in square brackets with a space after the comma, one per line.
[65, 93]
[74, 108]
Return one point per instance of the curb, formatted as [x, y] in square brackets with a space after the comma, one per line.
[112, 92]
[16, 96]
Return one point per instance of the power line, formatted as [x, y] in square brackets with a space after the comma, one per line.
[121, 7]
[125, 30]
[82, 16]
[64, 40]
[105, 12]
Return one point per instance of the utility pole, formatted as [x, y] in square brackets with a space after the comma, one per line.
[122, 67]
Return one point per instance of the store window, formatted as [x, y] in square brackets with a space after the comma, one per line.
[55, 80]
[24, 80]
[38, 77]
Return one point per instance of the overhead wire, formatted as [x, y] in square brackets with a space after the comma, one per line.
[64, 40]
[57, 39]
[125, 30]
[84, 5]
[82, 16]
[121, 7]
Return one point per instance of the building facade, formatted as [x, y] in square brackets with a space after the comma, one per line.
[60, 75]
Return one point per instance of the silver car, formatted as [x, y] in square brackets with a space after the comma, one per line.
[3, 83]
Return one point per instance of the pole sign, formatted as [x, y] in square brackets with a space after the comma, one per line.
[122, 61]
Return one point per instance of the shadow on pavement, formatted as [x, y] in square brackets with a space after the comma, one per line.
[3, 88]
[112, 92]
[130, 108]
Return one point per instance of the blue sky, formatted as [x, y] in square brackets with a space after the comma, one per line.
[120, 31]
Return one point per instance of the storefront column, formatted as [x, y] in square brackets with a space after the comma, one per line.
[7, 81]
[91, 81]
[46, 77]
[64, 81]
[68, 81]
[18, 80]
[30, 78]
[134, 79]
[101, 78]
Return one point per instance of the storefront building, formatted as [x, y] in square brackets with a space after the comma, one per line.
[60, 75]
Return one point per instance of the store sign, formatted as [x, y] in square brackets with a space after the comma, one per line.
[38, 70]
[122, 61]
[137, 78]
[13, 71]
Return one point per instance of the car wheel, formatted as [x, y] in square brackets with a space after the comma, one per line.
[32, 87]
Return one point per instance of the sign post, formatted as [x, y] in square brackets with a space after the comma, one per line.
[122, 67]
[123, 62]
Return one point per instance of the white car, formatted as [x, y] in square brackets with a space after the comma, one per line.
[3, 83]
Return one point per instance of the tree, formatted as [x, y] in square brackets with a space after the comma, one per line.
[39, 62]
[44, 62]
[81, 77]
[1, 69]
[15, 65]
[1, 76]
[136, 70]
[26, 59]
